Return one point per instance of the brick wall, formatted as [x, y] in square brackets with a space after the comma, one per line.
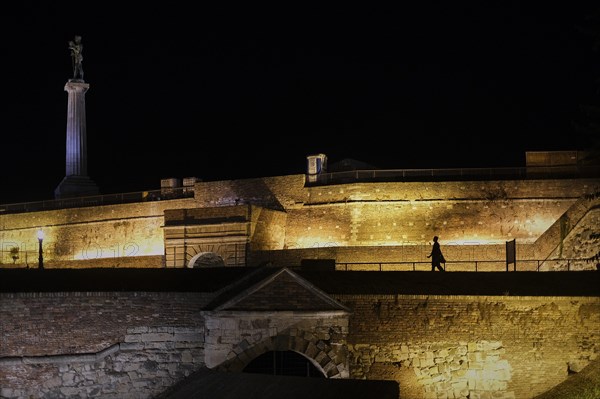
[111, 344]
[78, 322]
[477, 346]
[98, 344]
[149, 360]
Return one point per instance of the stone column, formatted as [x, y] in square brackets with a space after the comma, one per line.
[76, 136]
[76, 182]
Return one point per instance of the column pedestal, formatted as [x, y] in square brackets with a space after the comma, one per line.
[75, 186]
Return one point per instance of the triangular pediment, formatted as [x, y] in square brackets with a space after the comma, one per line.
[283, 290]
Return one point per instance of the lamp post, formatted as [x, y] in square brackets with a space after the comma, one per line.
[40, 236]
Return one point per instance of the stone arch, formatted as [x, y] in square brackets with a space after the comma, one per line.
[320, 353]
[206, 259]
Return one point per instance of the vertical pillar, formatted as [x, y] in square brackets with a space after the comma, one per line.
[76, 135]
[76, 182]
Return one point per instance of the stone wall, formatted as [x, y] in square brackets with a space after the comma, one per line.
[150, 360]
[278, 193]
[466, 346]
[472, 219]
[492, 190]
[98, 344]
[233, 339]
[412, 213]
[136, 344]
[583, 241]
[400, 213]
[465, 222]
[87, 234]
[42, 324]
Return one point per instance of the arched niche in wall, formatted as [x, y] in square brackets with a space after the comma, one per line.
[206, 259]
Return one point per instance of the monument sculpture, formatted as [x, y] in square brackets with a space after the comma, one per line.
[76, 48]
[76, 183]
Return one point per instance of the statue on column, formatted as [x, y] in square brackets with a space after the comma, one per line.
[77, 56]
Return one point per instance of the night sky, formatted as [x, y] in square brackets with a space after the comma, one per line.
[228, 91]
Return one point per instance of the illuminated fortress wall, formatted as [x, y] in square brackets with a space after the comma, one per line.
[345, 222]
[112, 235]
[123, 344]
[412, 213]
[474, 219]
[438, 346]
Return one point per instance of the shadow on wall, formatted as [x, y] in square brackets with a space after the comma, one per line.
[256, 192]
[583, 385]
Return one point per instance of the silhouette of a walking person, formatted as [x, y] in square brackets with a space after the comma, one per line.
[77, 55]
[436, 256]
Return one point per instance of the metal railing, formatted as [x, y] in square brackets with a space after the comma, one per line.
[29, 258]
[97, 200]
[384, 175]
[391, 175]
[565, 264]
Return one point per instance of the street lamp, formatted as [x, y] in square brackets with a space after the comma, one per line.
[40, 236]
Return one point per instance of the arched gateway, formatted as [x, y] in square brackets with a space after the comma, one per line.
[303, 320]
[288, 363]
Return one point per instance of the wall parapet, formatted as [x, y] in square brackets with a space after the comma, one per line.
[60, 359]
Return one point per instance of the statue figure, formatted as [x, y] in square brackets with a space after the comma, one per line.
[76, 54]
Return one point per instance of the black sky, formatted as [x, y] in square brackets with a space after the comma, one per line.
[228, 91]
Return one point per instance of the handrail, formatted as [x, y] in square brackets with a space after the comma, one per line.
[97, 200]
[506, 173]
[467, 265]
[537, 172]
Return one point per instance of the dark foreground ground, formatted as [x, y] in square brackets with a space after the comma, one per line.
[580, 283]
[215, 385]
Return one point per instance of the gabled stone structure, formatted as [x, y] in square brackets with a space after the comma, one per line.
[280, 313]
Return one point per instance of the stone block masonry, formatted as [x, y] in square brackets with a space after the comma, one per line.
[466, 346]
[137, 344]
[102, 236]
[55, 344]
[149, 361]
